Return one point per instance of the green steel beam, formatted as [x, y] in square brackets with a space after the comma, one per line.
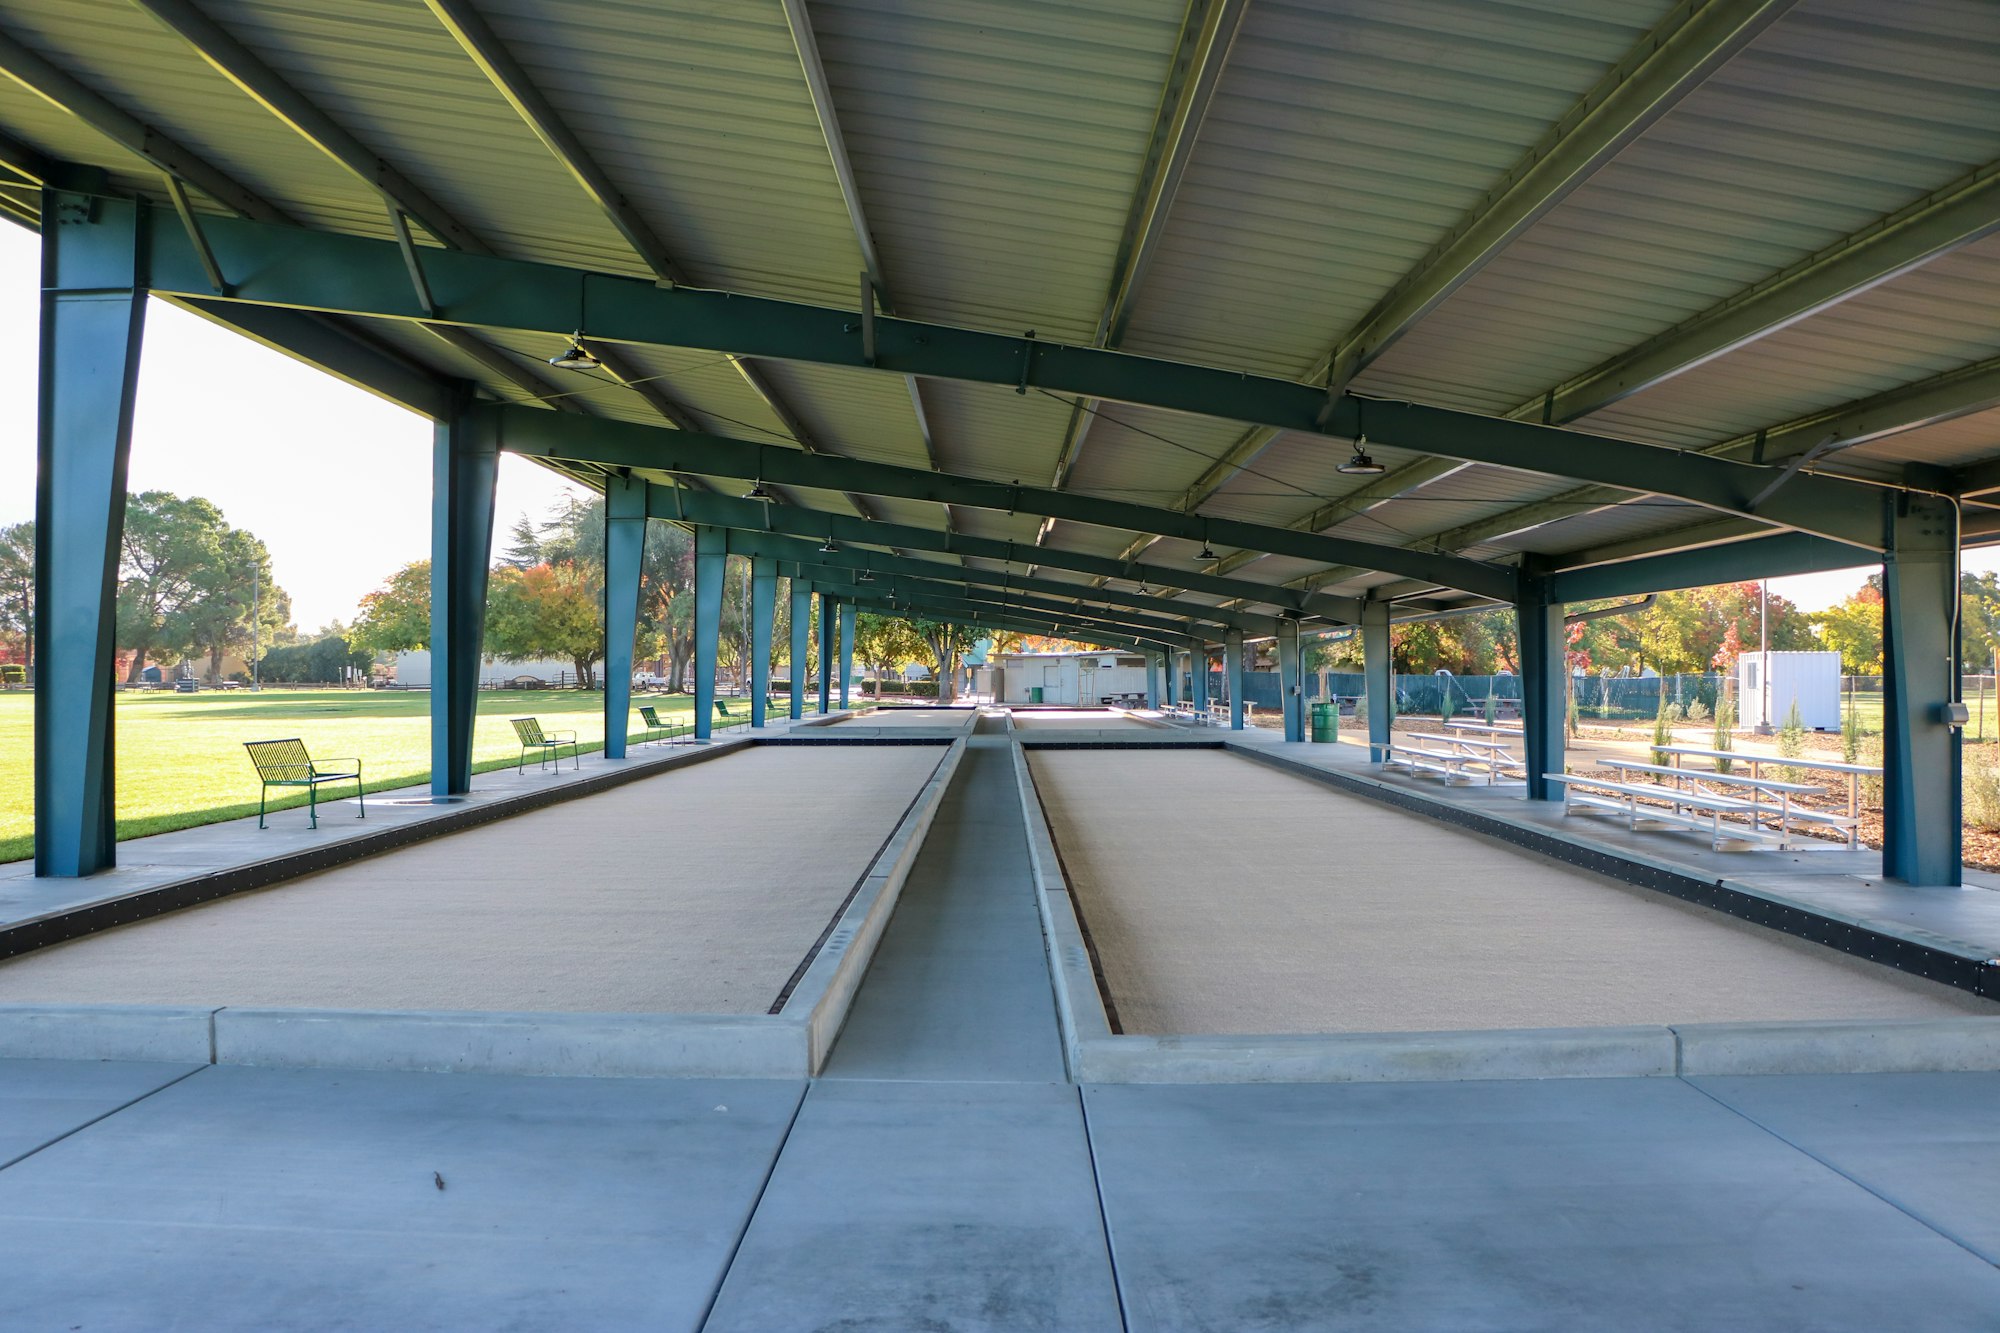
[356, 275]
[93, 316]
[1732, 562]
[623, 444]
[343, 352]
[679, 505]
[758, 542]
[1922, 754]
[1023, 622]
[801, 592]
[763, 618]
[465, 470]
[624, 561]
[976, 597]
[711, 558]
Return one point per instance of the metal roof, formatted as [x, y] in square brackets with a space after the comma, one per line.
[1247, 184]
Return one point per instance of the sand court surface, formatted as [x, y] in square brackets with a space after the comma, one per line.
[697, 891]
[908, 717]
[1225, 897]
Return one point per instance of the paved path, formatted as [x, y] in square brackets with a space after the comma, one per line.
[944, 1176]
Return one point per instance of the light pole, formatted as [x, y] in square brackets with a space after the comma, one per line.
[1764, 727]
[256, 629]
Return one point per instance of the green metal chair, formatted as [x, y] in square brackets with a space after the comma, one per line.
[729, 719]
[657, 730]
[528, 730]
[286, 764]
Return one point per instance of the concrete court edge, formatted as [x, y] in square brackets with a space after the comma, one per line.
[1097, 1055]
[790, 1044]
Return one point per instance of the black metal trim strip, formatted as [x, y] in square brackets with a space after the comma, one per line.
[1967, 974]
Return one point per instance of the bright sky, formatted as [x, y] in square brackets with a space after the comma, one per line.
[336, 481]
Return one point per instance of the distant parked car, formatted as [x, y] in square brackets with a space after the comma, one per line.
[647, 680]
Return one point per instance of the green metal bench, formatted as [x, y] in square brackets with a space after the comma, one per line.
[286, 764]
[528, 730]
[657, 730]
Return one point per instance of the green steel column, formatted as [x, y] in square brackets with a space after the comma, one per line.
[1544, 683]
[1291, 695]
[846, 651]
[1198, 673]
[1232, 666]
[1922, 756]
[826, 619]
[1378, 676]
[763, 610]
[1152, 680]
[624, 556]
[802, 596]
[93, 314]
[465, 463]
[711, 555]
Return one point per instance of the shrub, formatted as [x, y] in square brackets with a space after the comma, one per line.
[13, 673]
[925, 689]
[1570, 717]
[1982, 787]
[1725, 732]
[1850, 736]
[1697, 711]
[1792, 742]
[1490, 706]
[1871, 754]
[1663, 734]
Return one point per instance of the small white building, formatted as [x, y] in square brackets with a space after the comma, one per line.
[1768, 683]
[1073, 679]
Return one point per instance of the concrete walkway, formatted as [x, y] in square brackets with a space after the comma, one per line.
[945, 1176]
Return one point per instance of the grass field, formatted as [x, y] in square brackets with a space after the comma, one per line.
[181, 760]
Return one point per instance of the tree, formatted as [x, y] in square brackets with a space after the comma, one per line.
[545, 611]
[396, 617]
[946, 642]
[885, 643]
[173, 558]
[324, 659]
[221, 619]
[17, 592]
[1854, 630]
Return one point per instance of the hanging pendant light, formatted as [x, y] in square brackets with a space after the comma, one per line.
[828, 548]
[865, 577]
[1361, 465]
[1207, 551]
[759, 494]
[577, 356]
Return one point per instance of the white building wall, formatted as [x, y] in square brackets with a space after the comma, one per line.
[1813, 679]
[413, 670]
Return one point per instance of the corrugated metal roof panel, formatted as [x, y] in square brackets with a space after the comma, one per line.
[1145, 456]
[1951, 443]
[1343, 141]
[1841, 112]
[997, 144]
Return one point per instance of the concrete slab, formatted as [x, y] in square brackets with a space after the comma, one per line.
[962, 1206]
[298, 1199]
[42, 1100]
[183, 1035]
[1928, 1143]
[1621, 1203]
[959, 988]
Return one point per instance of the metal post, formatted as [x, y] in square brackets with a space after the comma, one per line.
[93, 315]
[624, 557]
[1378, 676]
[711, 556]
[1291, 690]
[256, 616]
[1922, 819]
[802, 596]
[763, 610]
[846, 651]
[1544, 677]
[1232, 662]
[465, 465]
[1152, 680]
[826, 619]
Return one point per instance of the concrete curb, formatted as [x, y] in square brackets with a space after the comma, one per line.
[1079, 1001]
[180, 1034]
[1381, 1057]
[573, 1045]
[1840, 1046]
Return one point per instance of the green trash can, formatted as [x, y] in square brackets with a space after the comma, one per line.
[1034, 694]
[1326, 723]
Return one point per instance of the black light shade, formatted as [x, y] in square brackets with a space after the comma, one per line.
[576, 357]
[759, 494]
[829, 548]
[865, 577]
[1207, 553]
[1361, 465]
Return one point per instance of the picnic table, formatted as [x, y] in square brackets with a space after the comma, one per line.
[1853, 772]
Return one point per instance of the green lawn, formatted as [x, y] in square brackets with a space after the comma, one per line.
[181, 760]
